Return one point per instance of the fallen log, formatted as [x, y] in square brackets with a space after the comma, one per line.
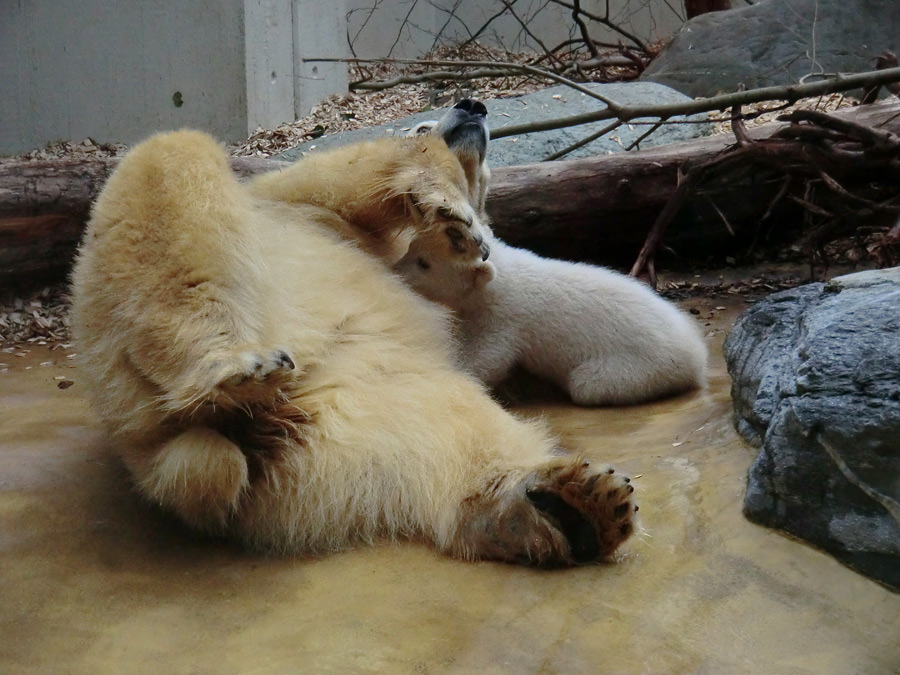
[597, 209]
[44, 205]
[601, 209]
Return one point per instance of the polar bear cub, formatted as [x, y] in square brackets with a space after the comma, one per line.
[603, 337]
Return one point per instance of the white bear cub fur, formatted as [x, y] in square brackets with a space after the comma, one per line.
[603, 337]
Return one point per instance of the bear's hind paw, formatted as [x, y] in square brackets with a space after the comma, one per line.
[591, 507]
[565, 512]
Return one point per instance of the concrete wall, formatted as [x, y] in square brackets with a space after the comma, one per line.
[116, 71]
[320, 30]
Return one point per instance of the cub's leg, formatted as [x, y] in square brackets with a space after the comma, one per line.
[563, 512]
[597, 382]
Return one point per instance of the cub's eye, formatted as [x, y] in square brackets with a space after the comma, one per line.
[424, 264]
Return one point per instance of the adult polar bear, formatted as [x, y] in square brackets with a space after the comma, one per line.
[265, 378]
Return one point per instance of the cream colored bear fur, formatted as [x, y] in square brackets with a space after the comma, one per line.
[601, 336]
[263, 377]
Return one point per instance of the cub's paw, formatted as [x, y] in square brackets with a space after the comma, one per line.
[467, 239]
[591, 507]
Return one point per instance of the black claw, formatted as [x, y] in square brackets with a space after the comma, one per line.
[285, 360]
[485, 251]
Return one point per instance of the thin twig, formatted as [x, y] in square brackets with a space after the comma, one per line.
[584, 141]
[582, 27]
[487, 23]
[644, 135]
[529, 33]
[860, 132]
[606, 22]
[737, 124]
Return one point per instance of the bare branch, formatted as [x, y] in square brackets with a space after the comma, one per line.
[576, 17]
[521, 67]
[789, 93]
[549, 54]
[403, 25]
[606, 22]
[474, 36]
[844, 148]
[434, 76]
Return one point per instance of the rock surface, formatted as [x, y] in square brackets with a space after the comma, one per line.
[775, 42]
[550, 103]
[816, 384]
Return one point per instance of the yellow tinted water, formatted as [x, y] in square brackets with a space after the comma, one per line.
[92, 581]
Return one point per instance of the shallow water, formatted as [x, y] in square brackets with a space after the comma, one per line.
[92, 581]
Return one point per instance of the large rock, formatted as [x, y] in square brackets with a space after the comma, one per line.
[549, 103]
[816, 384]
[776, 42]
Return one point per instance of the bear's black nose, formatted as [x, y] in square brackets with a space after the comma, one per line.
[472, 107]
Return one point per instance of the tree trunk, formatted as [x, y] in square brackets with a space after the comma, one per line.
[597, 209]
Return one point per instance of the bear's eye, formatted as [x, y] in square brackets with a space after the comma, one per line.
[417, 206]
[447, 214]
[424, 264]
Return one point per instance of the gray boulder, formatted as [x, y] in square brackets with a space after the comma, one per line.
[816, 384]
[776, 42]
[549, 103]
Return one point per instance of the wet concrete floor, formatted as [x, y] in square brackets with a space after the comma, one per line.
[94, 581]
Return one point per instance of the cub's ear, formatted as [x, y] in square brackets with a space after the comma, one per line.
[482, 274]
[422, 128]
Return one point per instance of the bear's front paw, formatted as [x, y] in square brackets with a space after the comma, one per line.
[233, 379]
[467, 239]
[258, 366]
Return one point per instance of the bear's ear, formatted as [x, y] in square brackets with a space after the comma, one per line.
[482, 274]
[422, 128]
